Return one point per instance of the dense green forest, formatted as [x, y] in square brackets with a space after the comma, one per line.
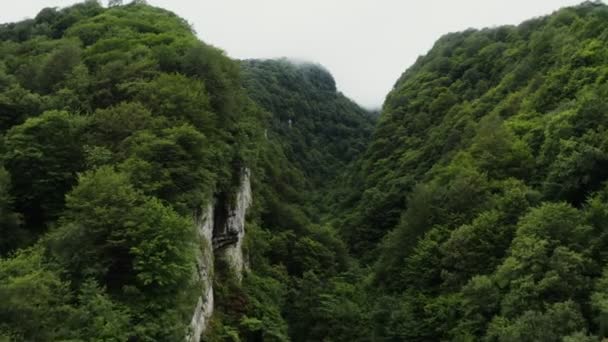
[324, 130]
[474, 208]
[117, 124]
[480, 204]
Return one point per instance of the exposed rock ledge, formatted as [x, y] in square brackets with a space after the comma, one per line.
[221, 229]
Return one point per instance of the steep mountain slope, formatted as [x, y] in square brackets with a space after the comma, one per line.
[117, 125]
[326, 132]
[145, 196]
[153, 189]
[485, 187]
[323, 129]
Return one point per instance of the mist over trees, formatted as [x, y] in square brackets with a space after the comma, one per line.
[473, 207]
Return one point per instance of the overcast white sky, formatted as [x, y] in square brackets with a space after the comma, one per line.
[366, 44]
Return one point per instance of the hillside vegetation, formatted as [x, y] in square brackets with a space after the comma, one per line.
[117, 125]
[324, 129]
[475, 208]
[483, 209]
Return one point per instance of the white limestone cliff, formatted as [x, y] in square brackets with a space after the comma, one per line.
[233, 229]
[221, 230]
[204, 264]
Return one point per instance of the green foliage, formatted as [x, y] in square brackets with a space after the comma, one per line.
[110, 127]
[321, 130]
[10, 222]
[99, 317]
[126, 238]
[476, 211]
[295, 261]
[35, 298]
[135, 246]
[559, 320]
[16, 104]
[264, 318]
[175, 166]
[480, 201]
[39, 306]
[117, 125]
[59, 65]
[177, 97]
[43, 156]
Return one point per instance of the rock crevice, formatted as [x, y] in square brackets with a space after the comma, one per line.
[221, 229]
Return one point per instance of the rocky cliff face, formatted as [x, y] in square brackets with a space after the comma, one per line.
[221, 229]
[204, 275]
[228, 234]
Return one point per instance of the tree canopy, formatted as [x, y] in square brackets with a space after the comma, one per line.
[473, 208]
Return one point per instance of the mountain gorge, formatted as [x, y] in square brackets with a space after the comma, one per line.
[153, 189]
[483, 185]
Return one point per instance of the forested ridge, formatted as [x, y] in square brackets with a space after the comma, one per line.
[474, 208]
[117, 125]
[480, 202]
